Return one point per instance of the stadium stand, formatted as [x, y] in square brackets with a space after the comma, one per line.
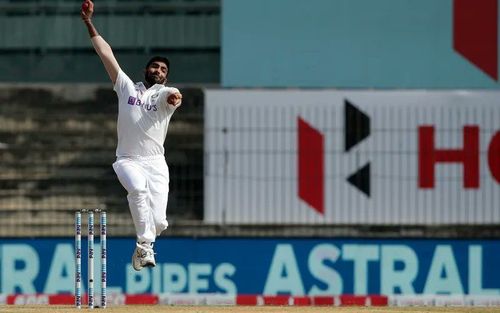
[57, 147]
[47, 37]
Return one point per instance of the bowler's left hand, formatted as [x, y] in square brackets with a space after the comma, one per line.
[174, 99]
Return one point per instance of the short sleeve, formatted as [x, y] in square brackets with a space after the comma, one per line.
[123, 84]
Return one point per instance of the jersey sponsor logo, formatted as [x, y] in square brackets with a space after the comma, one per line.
[137, 102]
[150, 107]
[131, 100]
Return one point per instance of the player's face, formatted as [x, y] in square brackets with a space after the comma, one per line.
[156, 73]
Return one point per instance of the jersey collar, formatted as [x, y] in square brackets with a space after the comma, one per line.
[142, 88]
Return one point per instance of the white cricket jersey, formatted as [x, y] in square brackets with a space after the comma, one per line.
[143, 117]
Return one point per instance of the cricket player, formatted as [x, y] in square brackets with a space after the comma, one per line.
[144, 112]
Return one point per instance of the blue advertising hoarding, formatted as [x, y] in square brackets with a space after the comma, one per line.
[263, 266]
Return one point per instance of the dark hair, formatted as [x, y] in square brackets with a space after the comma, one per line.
[159, 59]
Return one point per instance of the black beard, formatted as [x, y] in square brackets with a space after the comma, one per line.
[152, 79]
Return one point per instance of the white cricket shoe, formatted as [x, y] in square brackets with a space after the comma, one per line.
[143, 256]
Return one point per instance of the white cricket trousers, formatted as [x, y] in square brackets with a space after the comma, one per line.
[146, 181]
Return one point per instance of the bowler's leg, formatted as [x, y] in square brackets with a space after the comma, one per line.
[133, 179]
[159, 189]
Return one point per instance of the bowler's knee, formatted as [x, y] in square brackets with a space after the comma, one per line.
[137, 192]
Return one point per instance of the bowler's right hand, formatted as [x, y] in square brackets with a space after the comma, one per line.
[87, 10]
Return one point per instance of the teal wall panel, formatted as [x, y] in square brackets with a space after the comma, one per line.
[343, 44]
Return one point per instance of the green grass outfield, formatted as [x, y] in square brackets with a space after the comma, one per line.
[241, 309]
